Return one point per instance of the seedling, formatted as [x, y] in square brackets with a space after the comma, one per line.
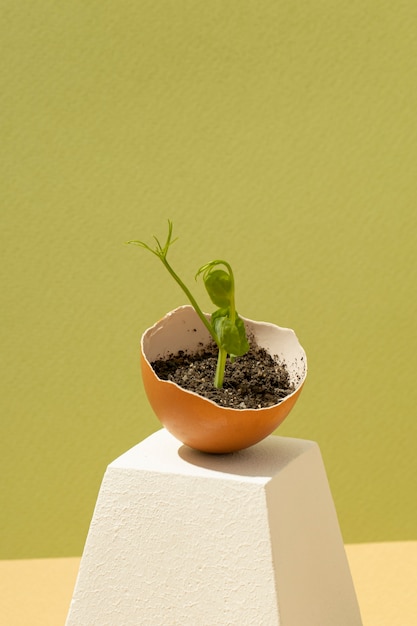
[225, 326]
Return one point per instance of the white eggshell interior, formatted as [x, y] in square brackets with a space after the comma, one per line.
[182, 329]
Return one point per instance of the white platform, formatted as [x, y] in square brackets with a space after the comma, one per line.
[182, 538]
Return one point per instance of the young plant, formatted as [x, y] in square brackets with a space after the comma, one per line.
[225, 326]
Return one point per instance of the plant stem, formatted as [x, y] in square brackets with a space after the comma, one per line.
[232, 308]
[230, 312]
[192, 300]
[221, 365]
[222, 355]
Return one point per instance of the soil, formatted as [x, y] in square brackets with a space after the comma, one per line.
[255, 380]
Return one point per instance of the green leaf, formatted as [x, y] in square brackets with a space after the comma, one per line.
[232, 336]
[219, 287]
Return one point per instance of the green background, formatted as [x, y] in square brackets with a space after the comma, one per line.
[279, 135]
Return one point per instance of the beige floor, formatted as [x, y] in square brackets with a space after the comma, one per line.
[38, 592]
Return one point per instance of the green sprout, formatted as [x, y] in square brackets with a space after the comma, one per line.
[225, 326]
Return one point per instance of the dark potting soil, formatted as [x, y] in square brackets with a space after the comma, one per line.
[255, 380]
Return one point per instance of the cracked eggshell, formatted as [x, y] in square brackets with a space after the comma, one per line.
[201, 423]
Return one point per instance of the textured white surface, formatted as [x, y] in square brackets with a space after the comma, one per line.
[188, 539]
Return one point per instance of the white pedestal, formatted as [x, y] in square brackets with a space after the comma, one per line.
[182, 538]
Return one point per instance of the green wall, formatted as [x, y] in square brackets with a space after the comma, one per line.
[280, 135]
